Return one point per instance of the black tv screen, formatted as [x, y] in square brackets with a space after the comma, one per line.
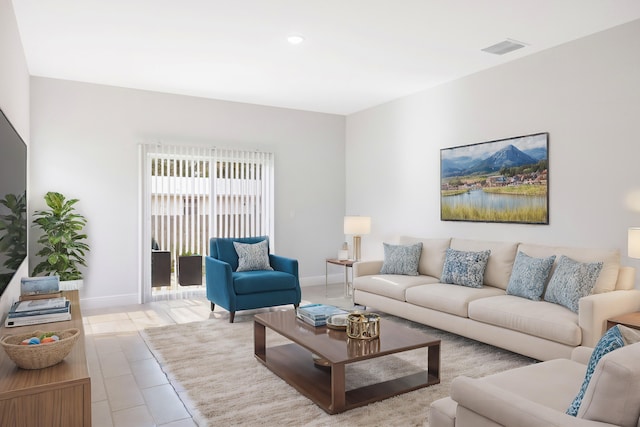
[13, 201]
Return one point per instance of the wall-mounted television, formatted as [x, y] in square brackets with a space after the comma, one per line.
[13, 201]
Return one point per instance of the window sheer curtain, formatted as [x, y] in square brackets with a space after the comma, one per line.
[191, 193]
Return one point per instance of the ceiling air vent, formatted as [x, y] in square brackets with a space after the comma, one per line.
[504, 47]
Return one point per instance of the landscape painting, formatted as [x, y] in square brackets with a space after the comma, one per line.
[497, 181]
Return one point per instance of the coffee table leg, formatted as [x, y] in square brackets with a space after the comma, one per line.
[259, 341]
[433, 360]
[337, 388]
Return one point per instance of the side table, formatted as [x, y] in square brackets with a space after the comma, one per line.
[630, 320]
[346, 263]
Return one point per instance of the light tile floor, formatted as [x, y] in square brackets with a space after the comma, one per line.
[128, 388]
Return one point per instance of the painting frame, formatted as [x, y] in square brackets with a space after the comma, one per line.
[499, 181]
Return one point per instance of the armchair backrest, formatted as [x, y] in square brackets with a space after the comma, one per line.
[222, 248]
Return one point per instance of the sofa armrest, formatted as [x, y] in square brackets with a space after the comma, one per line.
[280, 263]
[366, 268]
[509, 409]
[594, 310]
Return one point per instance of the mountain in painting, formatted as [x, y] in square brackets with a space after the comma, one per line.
[508, 156]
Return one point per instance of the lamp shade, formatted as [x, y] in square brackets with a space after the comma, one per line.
[357, 225]
[634, 242]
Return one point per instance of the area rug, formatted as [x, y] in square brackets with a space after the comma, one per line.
[212, 367]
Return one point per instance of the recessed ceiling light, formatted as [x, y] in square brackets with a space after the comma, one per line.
[295, 38]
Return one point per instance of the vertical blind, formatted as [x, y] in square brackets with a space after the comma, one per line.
[190, 194]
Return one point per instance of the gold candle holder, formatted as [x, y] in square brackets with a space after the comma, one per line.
[363, 326]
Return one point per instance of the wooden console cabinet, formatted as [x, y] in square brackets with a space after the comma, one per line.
[57, 396]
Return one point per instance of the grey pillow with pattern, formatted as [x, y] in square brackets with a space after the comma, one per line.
[252, 256]
[571, 281]
[529, 275]
[464, 268]
[401, 259]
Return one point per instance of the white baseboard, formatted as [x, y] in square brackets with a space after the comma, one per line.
[108, 301]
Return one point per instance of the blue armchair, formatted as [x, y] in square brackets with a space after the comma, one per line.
[245, 290]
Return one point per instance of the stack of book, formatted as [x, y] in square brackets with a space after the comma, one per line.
[33, 312]
[317, 314]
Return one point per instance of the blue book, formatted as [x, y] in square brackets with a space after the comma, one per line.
[36, 312]
[319, 312]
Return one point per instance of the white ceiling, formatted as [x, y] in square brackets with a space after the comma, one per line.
[357, 53]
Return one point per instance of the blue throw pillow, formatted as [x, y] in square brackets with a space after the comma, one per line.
[464, 268]
[610, 341]
[571, 281]
[401, 259]
[529, 275]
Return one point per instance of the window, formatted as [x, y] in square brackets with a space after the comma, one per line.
[190, 194]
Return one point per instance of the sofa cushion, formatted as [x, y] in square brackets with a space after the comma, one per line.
[252, 256]
[529, 276]
[571, 281]
[612, 340]
[500, 262]
[551, 384]
[390, 285]
[432, 256]
[401, 259]
[538, 318]
[250, 282]
[613, 394]
[609, 257]
[464, 268]
[449, 299]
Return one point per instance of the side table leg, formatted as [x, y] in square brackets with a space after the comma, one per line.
[326, 279]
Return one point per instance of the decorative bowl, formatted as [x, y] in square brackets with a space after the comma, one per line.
[363, 326]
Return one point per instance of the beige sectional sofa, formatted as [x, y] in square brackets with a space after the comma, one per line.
[538, 395]
[538, 329]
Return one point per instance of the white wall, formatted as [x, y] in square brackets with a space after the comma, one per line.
[586, 94]
[14, 102]
[85, 144]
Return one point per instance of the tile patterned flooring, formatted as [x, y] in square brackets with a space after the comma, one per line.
[128, 388]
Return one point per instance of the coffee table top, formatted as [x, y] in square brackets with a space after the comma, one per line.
[334, 345]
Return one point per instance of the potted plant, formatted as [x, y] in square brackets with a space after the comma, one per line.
[190, 269]
[63, 241]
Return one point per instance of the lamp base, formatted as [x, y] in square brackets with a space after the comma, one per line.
[356, 248]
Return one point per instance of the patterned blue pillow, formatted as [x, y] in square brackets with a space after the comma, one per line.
[529, 275]
[609, 342]
[571, 281]
[464, 268]
[401, 259]
[252, 256]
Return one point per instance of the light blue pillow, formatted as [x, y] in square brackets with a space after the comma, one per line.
[464, 268]
[252, 256]
[610, 341]
[571, 281]
[529, 275]
[401, 259]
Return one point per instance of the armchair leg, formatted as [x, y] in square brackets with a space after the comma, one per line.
[232, 315]
[213, 306]
[296, 306]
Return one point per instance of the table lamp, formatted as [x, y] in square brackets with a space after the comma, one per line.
[633, 240]
[357, 226]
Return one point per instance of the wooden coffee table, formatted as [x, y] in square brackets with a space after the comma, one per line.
[293, 362]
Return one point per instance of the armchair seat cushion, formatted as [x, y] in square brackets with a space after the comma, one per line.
[251, 282]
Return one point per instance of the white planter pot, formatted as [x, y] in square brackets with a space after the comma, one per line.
[71, 285]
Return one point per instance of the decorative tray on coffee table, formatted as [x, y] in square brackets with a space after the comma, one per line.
[337, 321]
